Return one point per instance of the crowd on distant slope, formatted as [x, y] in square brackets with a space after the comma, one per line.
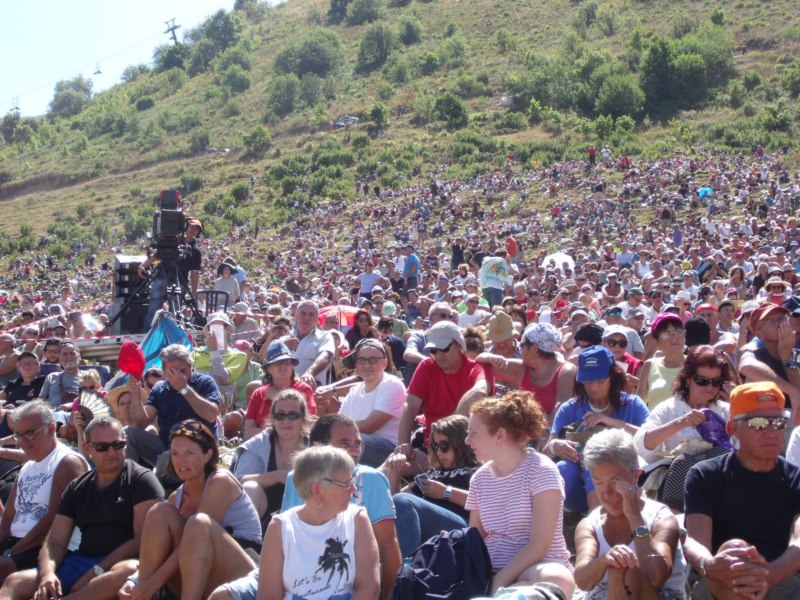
[426, 359]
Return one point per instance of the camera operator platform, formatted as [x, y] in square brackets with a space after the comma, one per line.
[177, 263]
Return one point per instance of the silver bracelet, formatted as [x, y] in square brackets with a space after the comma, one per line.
[133, 579]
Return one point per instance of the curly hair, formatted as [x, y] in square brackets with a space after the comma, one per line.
[475, 339]
[517, 412]
[618, 382]
[699, 356]
[454, 428]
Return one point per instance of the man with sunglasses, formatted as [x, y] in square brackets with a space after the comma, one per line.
[108, 504]
[446, 383]
[742, 508]
[769, 355]
[31, 507]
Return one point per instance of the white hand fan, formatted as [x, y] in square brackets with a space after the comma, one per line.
[90, 405]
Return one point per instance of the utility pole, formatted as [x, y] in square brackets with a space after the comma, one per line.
[15, 105]
[171, 27]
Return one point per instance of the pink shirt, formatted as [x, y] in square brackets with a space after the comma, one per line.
[506, 508]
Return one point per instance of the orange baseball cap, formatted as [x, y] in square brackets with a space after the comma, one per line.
[758, 395]
[764, 311]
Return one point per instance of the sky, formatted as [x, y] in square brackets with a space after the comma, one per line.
[46, 41]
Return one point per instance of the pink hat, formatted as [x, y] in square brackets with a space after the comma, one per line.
[242, 345]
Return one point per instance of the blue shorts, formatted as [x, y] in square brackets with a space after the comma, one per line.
[74, 566]
[244, 588]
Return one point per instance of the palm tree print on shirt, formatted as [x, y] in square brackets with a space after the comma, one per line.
[334, 559]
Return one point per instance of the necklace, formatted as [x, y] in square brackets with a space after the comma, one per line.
[593, 408]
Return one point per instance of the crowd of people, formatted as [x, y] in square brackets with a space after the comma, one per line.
[342, 405]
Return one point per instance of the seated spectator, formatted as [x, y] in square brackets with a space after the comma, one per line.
[616, 340]
[108, 504]
[516, 498]
[361, 329]
[373, 494]
[376, 403]
[542, 369]
[608, 564]
[196, 540]
[699, 386]
[600, 401]
[446, 383]
[62, 387]
[183, 394]
[263, 462]
[33, 503]
[279, 375]
[226, 282]
[326, 532]
[658, 374]
[742, 507]
[28, 385]
[500, 332]
[218, 359]
[89, 381]
[434, 502]
[397, 346]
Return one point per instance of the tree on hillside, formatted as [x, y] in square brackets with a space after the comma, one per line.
[8, 126]
[657, 73]
[450, 109]
[364, 11]
[318, 51]
[71, 97]
[283, 92]
[376, 45]
[223, 29]
[619, 95]
[338, 11]
[170, 56]
[133, 72]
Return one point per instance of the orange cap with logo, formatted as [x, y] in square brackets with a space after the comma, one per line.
[758, 395]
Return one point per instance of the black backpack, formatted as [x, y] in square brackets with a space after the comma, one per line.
[453, 565]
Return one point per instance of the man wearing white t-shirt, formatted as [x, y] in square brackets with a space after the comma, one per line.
[368, 280]
[376, 403]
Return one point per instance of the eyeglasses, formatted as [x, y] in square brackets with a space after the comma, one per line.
[28, 363]
[435, 351]
[705, 381]
[444, 446]
[28, 436]
[762, 423]
[614, 343]
[368, 360]
[104, 446]
[292, 415]
[665, 335]
[348, 485]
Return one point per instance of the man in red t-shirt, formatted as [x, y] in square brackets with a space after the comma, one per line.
[444, 384]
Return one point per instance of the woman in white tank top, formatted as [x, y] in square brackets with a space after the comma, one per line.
[324, 549]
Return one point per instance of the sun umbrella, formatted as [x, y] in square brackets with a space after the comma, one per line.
[346, 314]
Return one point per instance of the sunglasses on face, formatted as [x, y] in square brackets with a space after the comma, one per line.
[614, 343]
[717, 382]
[444, 446]
[762, 423]
[89, 388]
[368, 360]
[104, 446]
[292, 415]
[435, 351]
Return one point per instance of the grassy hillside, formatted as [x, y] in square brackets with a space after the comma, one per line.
[463, 82]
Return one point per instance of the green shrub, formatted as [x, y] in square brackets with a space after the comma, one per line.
[258, 141]
[282, 93]
[751, 80]
[409, 31]
[450, 109]
[603, 127]
[199, 140]
[376, 45]
[364, 11]
[236, 79]
[145, 103]
[240, 192]
[317, 51]
[620, 95]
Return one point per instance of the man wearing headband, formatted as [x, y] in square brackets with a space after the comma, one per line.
[742, 508]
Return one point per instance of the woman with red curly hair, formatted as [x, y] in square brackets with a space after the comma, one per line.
[516, 498]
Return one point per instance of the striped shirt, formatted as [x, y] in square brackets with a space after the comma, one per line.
[506, 508]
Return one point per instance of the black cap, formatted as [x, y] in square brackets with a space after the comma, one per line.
[697, 332]
[589, 332]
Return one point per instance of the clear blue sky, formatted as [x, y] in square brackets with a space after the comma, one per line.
[46, 41]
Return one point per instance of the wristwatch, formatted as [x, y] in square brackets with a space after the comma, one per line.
[640, 532]
[184, 390]
[791, 364]
[448, 492]
[98, 570]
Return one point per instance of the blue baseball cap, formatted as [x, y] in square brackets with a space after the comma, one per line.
[594, 363]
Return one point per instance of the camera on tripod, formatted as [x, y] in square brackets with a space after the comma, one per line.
[169, 226]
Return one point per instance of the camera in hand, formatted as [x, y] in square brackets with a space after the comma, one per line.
[169, 226]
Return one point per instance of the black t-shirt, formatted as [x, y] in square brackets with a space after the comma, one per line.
[458, 478]
[756, 507]
[18, 393]
[192, 262]
[105, 516]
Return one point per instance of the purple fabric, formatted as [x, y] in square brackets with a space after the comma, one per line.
[713, 430]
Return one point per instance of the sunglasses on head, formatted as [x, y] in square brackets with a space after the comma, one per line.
[444, 446]
[705, 381]
[191, 426]
[614, 313]
[104, 446]
[614, 343]
[292, 415]
[435, 351]
[762, 423]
